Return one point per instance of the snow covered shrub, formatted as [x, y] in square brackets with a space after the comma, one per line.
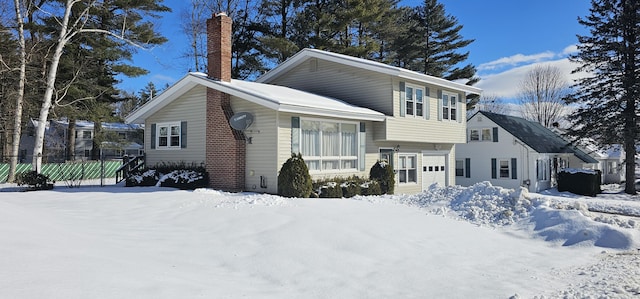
[143, 177]
[351, 187]
[185, 179]
[370, 188]
[383, 173]
[330, 190]
[36, 181]
[294, 179]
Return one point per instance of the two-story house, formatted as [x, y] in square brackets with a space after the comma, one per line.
[341, 113]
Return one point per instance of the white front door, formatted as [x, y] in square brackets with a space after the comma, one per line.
[434, 170]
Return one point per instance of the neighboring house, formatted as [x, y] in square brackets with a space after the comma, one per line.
[126, 139]
[610, 158]
[510, 151]
[342, 113]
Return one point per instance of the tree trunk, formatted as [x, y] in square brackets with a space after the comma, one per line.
[52, 73]
[97, 140]
[17, 121]
[71, 140]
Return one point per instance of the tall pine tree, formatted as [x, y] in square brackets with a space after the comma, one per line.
[608, 98]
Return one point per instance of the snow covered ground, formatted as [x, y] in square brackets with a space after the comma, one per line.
[475, 242]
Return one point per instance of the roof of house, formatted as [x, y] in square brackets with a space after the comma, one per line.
[375, 66]
[536, 136]
[275, 97]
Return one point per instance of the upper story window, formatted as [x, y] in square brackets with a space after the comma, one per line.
[168, 135]
[327, 145]
[483, 134]
[86, 134]
[414, 100]
[449, 106]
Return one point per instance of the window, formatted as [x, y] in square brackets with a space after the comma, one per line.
[486, 135]
[504, 169]
[480, 135]
[449, 106]
[168, 135]
[122, 135]
[329, 145]
[612, 167]
[407, 171]
[459, 167]
[414, 101]
[86, 134]
[542, 170]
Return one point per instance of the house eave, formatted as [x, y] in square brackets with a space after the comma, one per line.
[306, 54]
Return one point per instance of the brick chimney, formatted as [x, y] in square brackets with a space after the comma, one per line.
[219, 47]
[225, 146]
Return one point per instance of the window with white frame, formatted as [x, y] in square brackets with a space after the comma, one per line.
[414, 100]
[86, 134]
[480, 134]
[612, 167]
[449, 106]
[407, 169]
[329, 145]
[505, 169]
[459, 167]
[168, 135]
[542, 170]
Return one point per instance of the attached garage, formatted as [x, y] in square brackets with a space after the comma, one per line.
[434, 170]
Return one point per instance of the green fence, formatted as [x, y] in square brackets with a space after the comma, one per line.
[85, 170]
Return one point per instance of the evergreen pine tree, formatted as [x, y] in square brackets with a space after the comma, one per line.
[608, 98]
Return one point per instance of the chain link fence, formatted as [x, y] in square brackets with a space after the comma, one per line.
[71, 171]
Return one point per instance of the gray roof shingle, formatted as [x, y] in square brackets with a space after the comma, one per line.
[536, 136]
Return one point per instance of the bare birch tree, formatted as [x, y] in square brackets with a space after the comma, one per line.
[541, 94]
[17, 121]
[76, 19]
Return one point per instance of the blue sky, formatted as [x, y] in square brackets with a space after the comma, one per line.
[510, 38]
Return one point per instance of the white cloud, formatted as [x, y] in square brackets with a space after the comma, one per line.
[505, 84]
[570, 50]
[516, 60]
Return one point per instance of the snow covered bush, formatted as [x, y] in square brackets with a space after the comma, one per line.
[35, 180]
[383, 173]
[370, 188]
[339, 187]
[330, 190]
[176, 175]
[143, 177]
[294, 179]
[185, 179]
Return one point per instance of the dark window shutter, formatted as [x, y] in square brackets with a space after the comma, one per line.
[426, 105]
[495, 134]
[467, 167]
[295, 135]
[494, 168]
[514, 168]
[183, 134]
[439, 112]
[363, 146]
[153, 136]
[403, 103]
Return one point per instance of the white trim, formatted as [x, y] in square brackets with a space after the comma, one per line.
[169, 135]
[370, 65]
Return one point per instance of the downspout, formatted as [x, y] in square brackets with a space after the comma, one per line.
[527, 181]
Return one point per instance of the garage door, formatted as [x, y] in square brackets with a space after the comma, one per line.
[434, 170]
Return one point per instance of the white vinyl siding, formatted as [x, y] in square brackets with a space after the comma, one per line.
[357, 86]
[190, 108]
[262, 152]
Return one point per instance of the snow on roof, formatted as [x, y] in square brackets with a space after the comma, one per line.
[275, 97]
[88, 125]
[371, 65]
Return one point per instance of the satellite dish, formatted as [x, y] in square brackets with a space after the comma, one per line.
[241, 120]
